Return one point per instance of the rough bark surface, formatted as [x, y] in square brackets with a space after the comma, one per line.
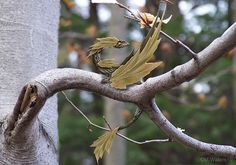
[28, 47]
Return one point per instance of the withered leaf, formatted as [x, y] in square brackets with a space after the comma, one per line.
[149, 19]
[107, 42]
[137, 67]
[104, 143]
[108, 63]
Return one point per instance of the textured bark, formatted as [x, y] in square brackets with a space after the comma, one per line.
[28, 37]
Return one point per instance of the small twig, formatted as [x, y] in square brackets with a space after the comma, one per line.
[134, 119]
[175, 41]
[146, 141]
[107, 122]
[127, 9]
[106, 129]
[91, 123]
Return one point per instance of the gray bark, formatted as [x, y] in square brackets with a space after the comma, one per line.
[28, 37]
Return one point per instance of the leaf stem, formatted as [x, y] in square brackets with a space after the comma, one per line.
[134, 119]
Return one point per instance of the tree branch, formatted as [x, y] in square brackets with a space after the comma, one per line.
[176, 135]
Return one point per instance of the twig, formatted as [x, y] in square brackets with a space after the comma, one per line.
[106, 129]
[127, 9]
[146, 141]
[107, 122]
[91, 123]
[134, 119]
[175, 41]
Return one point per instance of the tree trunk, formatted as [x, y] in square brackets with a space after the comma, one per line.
[114, 109]
[28, 37]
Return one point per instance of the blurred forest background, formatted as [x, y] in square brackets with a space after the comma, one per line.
[204, 107]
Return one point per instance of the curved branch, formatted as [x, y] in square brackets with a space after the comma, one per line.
[193, 68]
[176, 135]
[62, 79]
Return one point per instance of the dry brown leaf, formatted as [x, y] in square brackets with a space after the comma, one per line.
[137, 67]
[149, 19]
[107, 42]
[104, 143]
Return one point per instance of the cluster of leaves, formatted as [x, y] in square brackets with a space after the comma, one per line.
[138, 65]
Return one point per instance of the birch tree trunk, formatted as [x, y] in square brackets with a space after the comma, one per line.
[28, 47]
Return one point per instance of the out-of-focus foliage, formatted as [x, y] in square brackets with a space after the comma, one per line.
[203, 107]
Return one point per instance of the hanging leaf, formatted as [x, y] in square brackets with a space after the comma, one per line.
[137, 67]
[104, 143]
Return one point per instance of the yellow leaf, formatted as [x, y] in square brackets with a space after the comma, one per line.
[134, 76]
[137, 67]
[101, 43]
[108, 63]
[104, 143]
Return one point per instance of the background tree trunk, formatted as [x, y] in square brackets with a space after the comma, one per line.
[114, 109]
[28, 37]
